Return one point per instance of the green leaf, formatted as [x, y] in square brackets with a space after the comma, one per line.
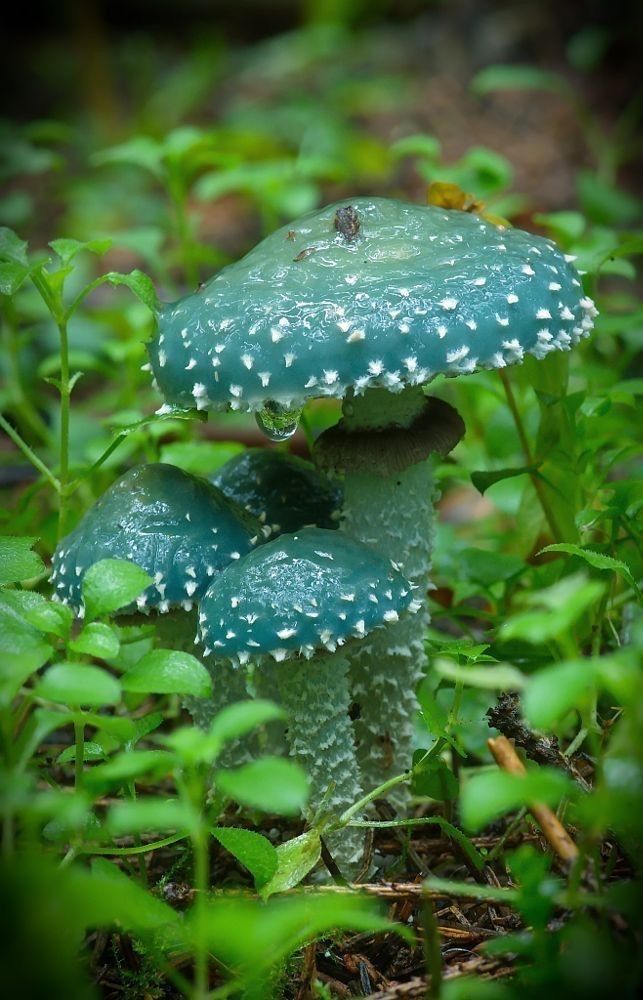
[236, 720]
[168, 671]
[140, 151]
[140, 284]
[78, 684]
[483, 480]
[568, 226]
[555, 690]
[200, 457]
[295, 859]
[12, 275]
[128, 765]
[17, 561]
[433, 779]
[595, 559]
[91, 751]
[255, 852]
[555, 610]
[112, 584]
[12, 248]
[46, 616]
[605, 203]
[97, 639]
[425, 146]
[151, 814]
[271, 784]
[488, 567]
[68, 248]
[106, 896]
[494, 793]
[507, 77]
[494, 677]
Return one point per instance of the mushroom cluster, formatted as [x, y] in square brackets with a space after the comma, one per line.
[367, 303]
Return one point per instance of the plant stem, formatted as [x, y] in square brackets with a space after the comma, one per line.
[201, 878]
[376, 793]
[79, 733]
[529, 459]
[28, 453]
[154, 845]
[65, 395]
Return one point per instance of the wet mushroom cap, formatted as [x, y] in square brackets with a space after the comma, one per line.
[285, 492]
[411, 291]
[308, 591]
[179, 528]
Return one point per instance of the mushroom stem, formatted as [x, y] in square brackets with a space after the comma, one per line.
[316, 696]
[394, 515]
[382, 446]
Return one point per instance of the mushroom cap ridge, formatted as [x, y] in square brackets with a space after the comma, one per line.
[299, 593]
[282, 490]
[418, 291]
[179, 528]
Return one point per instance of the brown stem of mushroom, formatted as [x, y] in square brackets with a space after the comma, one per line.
[529, 458]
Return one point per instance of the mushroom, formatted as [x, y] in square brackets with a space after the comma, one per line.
[283, 491]
[298, 600]
[182, 531]
[367, 302]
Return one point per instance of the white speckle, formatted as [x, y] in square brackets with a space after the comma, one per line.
[289, 358]
[527, 269]
[247, 360]
[449, 304]
[376, 367]
[163, 607]
[502, 320]
[330, 377]
[554, 286]
[286, 633]
[394, 313]
[162, 359]
[312, 381]
[410, 363]
[566, 313]
[497, 361]
[215, 362]
[188, 516]
[479, 282]
[344, 325]
[512, 298]
[471, 323]
[347, 597]
[571, 257]
[276, 335]
[284, 322]
[324, 555]
[442, 331]
[230, 634]
[355, 336]
[415, 606]
[373, 598]
[235, 555]
[191, 364]
[404, 292]
[457, 355]
[543, 314]
[236, 391]
[391, 616]
[544, 336]
[190, 587]
[141, 601]
[350, 279]
[360, 627]
[404, 328]
[265, 378]
[219, 348]
[325, 635]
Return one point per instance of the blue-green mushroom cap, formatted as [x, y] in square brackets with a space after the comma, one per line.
[410, 292]
[308, 591]
[179, 528]
[283, 491]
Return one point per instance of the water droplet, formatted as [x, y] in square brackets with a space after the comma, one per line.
[278, 422]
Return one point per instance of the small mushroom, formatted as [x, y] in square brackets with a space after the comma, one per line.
[283, 491]
[403, 294]
[303, 600]
[182, 531]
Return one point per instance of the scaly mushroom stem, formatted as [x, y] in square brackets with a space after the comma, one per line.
[393, 514]
[316, 696]
[390, 509]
